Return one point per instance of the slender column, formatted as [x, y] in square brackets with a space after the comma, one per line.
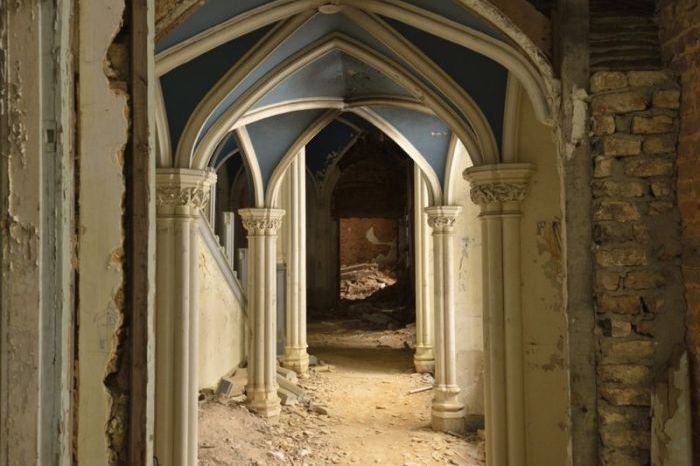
[181, 195]
[295, 355]
[262, 226]
[447, 411]
[424, 359]
[229, 228]
[499, 191]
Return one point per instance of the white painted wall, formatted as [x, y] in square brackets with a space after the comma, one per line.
[468, 297]
[544, 319]
[222, 324]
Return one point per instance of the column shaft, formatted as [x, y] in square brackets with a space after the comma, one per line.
[262, 226]
[181, 195]
[499, 190]
[424, 359]
[295, 352]
[447, 410]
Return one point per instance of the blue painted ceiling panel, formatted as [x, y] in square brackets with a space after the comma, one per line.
[426, 132]
[228, 145]
[274, 136]
[336, 75]
[185, 86]
[317, 28]
[332, 140]
[484, 79]
[210, 14]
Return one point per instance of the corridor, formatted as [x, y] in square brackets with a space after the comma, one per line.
[372, 418]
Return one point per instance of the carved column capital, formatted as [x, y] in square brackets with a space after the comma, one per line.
[499, 183]
[442, 218]
[182, 192]
[261, 222]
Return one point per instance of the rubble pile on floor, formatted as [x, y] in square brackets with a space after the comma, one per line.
[360, 281]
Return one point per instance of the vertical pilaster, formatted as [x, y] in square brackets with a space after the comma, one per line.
[447, 411]
[295, 354]
[424, 358]
[181, 196]
[262, 226]
[229, 228]
[499, 191]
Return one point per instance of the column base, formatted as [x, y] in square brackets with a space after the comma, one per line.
[447, 414]
[424, 360]
[264, 403]
[297, 359]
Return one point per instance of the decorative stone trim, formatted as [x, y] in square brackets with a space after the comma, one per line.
[498, 192]
[259, 222]
[183, 188]
[504, 182]
[443, 218]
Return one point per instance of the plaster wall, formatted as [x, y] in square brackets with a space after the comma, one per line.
[468, 299]
[544, 319]
[222, 323]
[102, 143]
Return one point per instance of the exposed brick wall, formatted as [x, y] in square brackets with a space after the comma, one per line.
[356, 246]
[680, 41]
[636, 233]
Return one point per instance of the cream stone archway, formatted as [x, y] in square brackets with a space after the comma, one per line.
[194, 147]
[526, 60]
[499, 204]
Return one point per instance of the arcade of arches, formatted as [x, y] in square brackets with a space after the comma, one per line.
[194, 192]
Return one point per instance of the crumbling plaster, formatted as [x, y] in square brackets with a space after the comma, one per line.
[101, 144]
[20, 289]
[545, 337]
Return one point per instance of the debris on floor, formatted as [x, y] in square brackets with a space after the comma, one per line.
[359, 281]
[337, 421]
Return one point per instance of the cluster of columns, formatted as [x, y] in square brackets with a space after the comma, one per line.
[499, 191]
[181, 194]
[447, 410]
[262, 225]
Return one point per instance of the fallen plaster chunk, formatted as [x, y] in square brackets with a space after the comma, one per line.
[288, 374]
[324, 368]
[318, 409]
[290, 387]
[287, 398]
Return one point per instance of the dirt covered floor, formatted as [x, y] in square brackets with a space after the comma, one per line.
[357, 411]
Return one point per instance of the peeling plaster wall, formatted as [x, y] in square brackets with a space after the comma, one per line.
[544, 319]
[20, 207]
[468, 300]
[221, 324]
[103, 122]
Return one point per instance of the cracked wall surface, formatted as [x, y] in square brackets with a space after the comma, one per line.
[680, 44]
[20, 284]
[545, 336]
[103, 137]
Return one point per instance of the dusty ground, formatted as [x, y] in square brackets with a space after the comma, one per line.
[371, 417]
